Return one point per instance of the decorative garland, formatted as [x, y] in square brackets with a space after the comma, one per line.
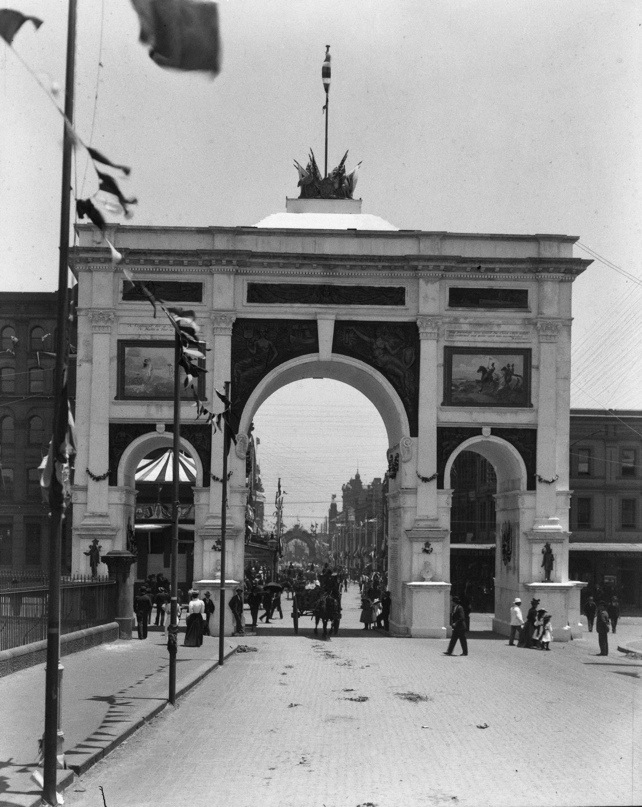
[218, 478]
[427, 478]
[97, 477]
[547, 481]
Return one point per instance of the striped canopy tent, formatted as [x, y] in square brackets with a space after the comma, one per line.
[160, 469]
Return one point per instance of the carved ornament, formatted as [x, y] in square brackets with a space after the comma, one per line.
[242, 444]
[101, 320]
[222, 324]
[548, 329]
[428, 327]
[405, 447]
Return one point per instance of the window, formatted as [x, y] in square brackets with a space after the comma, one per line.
[6, 545]
[7, 379]
[6, 488]
[35, 339]
[627, 461]
[628, 513]
[584, 512]
[9, 339]
[36, 380]
[33, 544]
[36, 431]
[33, 482]
[583, 461]
[7, 431]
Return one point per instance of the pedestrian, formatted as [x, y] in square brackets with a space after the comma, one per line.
[276, 604]
[538, 628]
[529, 627]
[468, 608]
[614, 612]
[366, 612]
[142, 607]
[254, 601]
[590, 609]
[159, 601]
[383, 620]
[209, 611]
[516, 622]
[458, 624]
[602, 627]
[195, 621]
[547, 632]
[167, 614]
[236, 607]
[267, 605]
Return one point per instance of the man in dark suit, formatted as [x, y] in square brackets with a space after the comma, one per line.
[602, 627]
[458, 623]
[142, 608]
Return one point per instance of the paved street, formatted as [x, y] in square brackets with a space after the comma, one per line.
[370, 719]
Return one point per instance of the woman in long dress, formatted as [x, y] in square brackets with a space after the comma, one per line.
[195, 621]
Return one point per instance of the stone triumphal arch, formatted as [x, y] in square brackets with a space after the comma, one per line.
[461, 341]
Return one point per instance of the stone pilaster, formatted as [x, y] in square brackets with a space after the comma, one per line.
[546, 516]
[427, 508]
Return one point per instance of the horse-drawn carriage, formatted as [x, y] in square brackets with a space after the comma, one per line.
[323, 604]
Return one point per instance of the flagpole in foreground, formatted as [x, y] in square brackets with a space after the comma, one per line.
[52, 740]
[172, 644]
[221, 606]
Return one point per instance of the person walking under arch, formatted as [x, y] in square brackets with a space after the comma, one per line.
[614, 612]
[590, 609]
[458, 623]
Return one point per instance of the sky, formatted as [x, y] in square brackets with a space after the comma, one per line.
[468, 116]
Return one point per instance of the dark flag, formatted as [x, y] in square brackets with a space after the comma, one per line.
[181, 34]
[12, 21]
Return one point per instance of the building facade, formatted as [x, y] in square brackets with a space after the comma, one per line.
[27, 333]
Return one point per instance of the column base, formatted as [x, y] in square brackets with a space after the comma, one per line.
[427, 609]
[125, 627]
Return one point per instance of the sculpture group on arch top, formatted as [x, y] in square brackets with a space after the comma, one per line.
[336, 185]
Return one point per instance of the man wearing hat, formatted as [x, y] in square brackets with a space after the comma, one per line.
[142, 608]
[236, 607]
[516, 621]
[458, 623]
[602, 627]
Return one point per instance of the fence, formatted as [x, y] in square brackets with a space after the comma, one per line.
[23, 610]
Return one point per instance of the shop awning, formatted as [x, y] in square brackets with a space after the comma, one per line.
[472, 546]
[605, 547]
[160, 469]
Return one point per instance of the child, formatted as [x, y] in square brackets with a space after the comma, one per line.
[547, 632]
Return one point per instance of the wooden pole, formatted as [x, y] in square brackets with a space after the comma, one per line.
[52, 680]
[221, 616]
[173, 629]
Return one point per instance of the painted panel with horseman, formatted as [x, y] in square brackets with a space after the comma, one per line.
[486, 377]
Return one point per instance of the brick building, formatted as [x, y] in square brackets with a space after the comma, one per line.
[27, 333]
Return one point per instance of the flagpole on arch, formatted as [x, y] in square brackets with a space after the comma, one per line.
[326, 75]
[52, 733]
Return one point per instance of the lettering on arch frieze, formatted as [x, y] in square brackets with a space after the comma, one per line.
[260, 345]
[392, 348]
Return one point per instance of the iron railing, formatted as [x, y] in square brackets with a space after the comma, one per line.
[23, 610]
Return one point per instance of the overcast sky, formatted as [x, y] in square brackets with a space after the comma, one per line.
[475, 116]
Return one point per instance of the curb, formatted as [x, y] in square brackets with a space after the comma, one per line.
[630, 652]
[69, 776]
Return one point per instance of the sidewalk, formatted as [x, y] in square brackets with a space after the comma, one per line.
[107, 693]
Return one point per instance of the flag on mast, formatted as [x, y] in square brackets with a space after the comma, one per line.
[326, 74]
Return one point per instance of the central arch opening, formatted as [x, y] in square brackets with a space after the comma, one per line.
[327, 444]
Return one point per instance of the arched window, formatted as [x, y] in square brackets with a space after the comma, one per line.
[36, 380]
[8, 339]
[7, 379]
[7, 431]
[36, 431]
[35, 339]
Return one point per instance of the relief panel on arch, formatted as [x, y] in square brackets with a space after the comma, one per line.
[260, 345]
[487, 376]
[392, 348]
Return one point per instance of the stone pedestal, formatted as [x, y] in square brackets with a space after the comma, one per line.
[427, 609]
[214, 587]
[119, 563]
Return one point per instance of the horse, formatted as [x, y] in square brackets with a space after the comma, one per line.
[326, 609]
[488, 376]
